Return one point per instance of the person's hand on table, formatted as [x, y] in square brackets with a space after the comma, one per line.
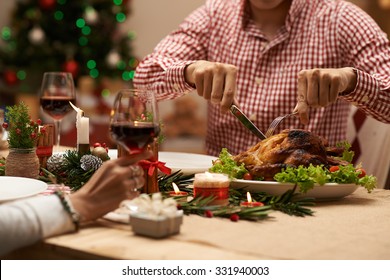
[213, 81]
[321, 87]
[112, 183]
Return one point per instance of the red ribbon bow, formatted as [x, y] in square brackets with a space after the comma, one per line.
[152, 165]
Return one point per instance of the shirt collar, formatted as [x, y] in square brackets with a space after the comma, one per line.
[295, 10]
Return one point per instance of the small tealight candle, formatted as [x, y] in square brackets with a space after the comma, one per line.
[178, 193]
[251, 203]
[212, 184]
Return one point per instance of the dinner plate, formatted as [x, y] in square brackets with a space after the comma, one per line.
[188, 163]
[12, 188]
[330, 191]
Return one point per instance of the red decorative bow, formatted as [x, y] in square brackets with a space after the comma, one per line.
[152, 165]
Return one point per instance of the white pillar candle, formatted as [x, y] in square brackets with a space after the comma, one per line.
[82, 126]
[83, 131]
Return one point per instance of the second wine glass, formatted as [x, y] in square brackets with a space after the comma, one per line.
[57, 91]
[134, 120]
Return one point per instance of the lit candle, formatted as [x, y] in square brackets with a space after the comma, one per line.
[212, 184]
[178, 193]
[82, 125]
[251, 203]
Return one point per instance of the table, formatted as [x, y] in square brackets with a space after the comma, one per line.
[356, 227]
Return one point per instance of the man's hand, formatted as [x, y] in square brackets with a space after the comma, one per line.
[321, 87]
[213, 81]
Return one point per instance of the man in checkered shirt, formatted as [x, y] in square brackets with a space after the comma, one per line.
[272, 57]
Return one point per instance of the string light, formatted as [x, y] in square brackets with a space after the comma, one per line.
[117, 2]
[105, 93]
[91, 64]
[83, 41]
[58, 15]
[80, 23]
[121, 65]
[21, 74]
[86, 30]
[6, 33]
[94, 73]
[120, 17]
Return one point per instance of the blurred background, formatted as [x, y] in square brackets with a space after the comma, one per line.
[101, 42]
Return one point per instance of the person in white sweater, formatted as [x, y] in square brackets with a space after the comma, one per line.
[27, 221]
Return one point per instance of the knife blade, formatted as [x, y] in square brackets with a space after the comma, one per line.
[246, 122]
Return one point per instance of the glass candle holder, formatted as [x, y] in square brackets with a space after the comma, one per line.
[212, 184]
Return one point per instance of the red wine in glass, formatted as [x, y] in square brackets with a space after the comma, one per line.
[135, 137]
[57, 106]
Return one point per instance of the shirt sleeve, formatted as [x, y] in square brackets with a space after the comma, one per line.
[27, 221]
[366, 48]
[164, 68]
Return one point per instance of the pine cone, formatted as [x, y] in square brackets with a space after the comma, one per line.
[55, 163]
[88, 162]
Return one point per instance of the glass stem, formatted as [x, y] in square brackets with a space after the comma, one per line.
[57, 125]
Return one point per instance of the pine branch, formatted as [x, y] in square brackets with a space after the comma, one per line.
[182, 181]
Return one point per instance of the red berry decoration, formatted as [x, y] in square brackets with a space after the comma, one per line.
[234, 217]
[18, 131]
[43, 130]
[5, 125]
[97, 144]
[39, 121]
[208, 214]
[33, 135]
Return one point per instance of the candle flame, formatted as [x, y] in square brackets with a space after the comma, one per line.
[175, 188]
[78, 110]
[208, 174]
[249, 197]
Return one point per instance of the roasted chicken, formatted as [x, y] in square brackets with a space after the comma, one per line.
[292, 147]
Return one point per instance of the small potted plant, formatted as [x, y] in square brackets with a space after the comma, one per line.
[23, 133]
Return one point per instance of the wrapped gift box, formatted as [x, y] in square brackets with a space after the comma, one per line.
[156, 226]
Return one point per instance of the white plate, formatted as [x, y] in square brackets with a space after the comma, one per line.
[12, 188]
[330, 191]
[188, 163]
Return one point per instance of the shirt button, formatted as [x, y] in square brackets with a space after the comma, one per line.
[258, 80]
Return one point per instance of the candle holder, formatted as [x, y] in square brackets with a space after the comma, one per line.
[83, 149]
[251, 203]
[45, 144]
[212, 184]
[179, 196]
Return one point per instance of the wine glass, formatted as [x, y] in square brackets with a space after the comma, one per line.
[57, 90]
[134, 120]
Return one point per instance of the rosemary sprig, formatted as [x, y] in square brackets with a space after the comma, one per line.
[288, 202]
[182, 181]
[199, 206]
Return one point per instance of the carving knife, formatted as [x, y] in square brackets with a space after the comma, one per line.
[246, 122]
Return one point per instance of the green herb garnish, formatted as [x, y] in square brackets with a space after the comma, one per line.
[306, 177]
[227, 165]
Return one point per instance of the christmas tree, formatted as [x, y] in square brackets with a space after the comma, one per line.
[77, 36]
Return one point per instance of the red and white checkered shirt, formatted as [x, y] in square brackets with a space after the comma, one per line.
[316, 34]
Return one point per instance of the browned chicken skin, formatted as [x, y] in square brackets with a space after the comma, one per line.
[292, 147]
